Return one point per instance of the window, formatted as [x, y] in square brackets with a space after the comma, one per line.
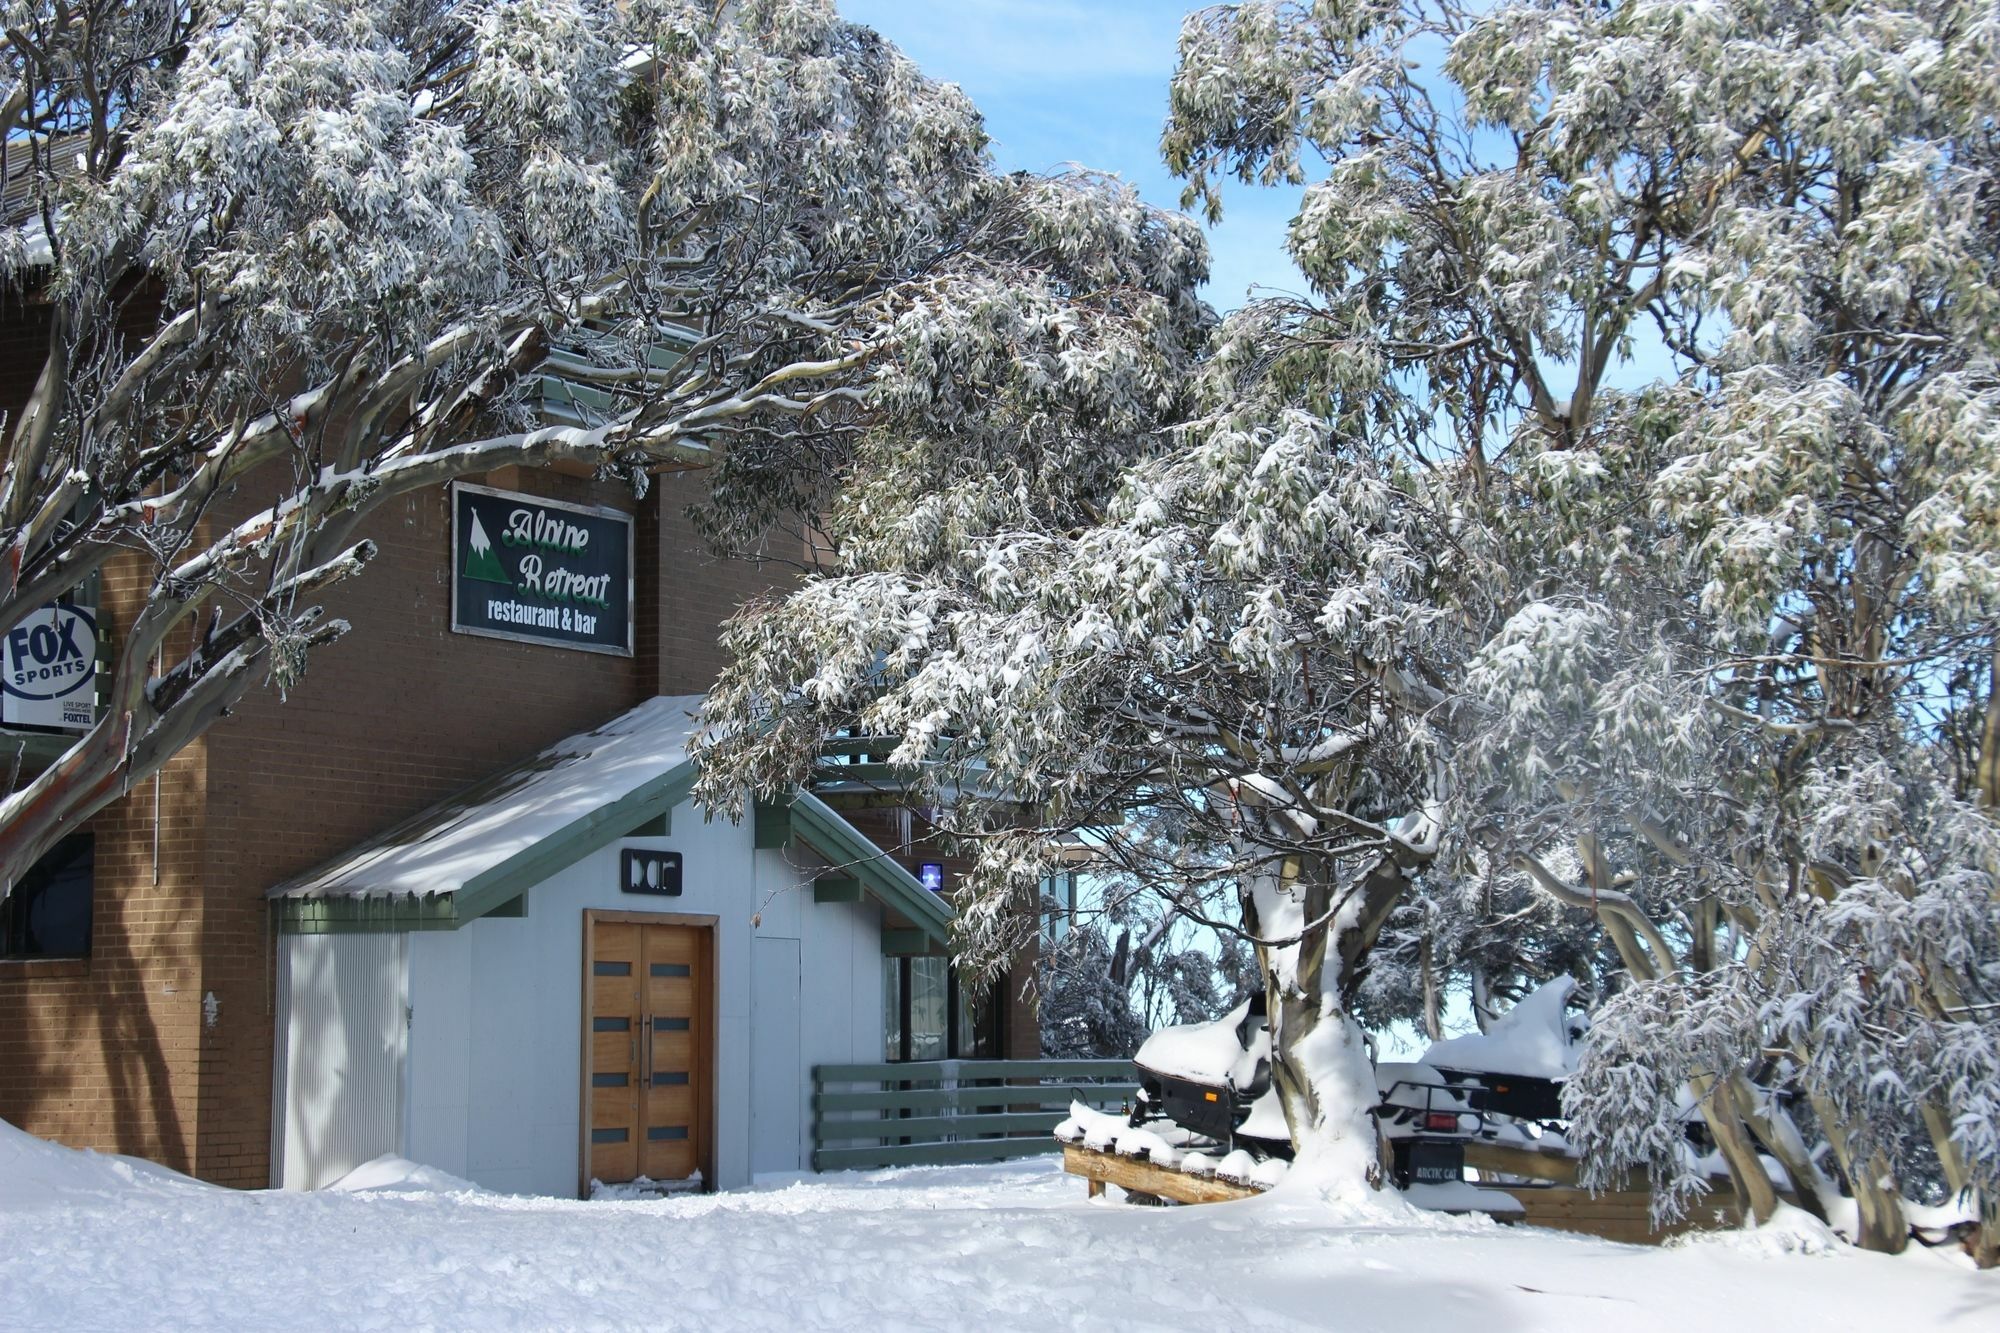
[48, 913]
[892, 1009]
[930, 1008]
[925, 1013]
[1058, 906]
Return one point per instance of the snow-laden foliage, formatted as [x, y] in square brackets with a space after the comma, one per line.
[1136, 961]
[298, 257]
[1236, 650]
[1605, 546]
[1084, 1009]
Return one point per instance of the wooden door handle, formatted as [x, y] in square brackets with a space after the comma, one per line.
[646, 1040]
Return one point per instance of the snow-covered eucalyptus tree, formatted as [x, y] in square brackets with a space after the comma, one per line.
[294, 257]
[1613, 525]
[1749, 607]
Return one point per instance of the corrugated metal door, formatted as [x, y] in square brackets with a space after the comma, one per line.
[345, 1035]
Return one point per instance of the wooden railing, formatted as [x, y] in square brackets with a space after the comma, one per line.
[936, 1112]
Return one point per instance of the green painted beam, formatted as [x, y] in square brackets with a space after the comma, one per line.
[931, 1154]
[913, 1099]
[863, 798]
[872, 774]
[836, 889]
[364, 916]
[898, 943]
[933, 1070]
[964, 1099]
[771, 825]
[865, 745]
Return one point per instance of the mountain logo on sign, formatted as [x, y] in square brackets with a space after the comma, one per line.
[480, 561]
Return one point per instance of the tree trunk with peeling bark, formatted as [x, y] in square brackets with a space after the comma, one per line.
[1310, 982]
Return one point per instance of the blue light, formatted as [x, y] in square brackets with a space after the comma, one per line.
[932, 875]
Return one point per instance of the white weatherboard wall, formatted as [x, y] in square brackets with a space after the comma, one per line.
[828, 956]
[489, 1088]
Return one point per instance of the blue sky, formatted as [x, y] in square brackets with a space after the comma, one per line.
[1084, 81]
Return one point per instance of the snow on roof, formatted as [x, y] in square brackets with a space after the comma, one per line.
[1530, 1040]
[490, 823]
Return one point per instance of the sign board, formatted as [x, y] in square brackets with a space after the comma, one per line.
[540, 571]
[48, 670]
[1435, 1163]
[650, 872]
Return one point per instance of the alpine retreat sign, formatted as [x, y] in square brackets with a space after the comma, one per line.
[541, 571]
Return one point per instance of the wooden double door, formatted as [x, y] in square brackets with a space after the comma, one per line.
[649, 1051]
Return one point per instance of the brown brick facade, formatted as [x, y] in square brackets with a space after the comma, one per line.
[118, 1052]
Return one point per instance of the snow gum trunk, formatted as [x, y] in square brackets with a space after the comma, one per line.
[1319, 1059]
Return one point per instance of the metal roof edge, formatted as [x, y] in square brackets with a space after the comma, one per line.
[852, 850]
[500, 884]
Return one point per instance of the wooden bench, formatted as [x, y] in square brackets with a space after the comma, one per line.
[1140, 1176]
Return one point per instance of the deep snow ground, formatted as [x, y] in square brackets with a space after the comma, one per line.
[89, 1242]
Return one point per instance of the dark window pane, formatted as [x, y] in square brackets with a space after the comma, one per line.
[610, 1025]
[48, 913]
[671, 970]
[670, 1080]
[658, 1132]
[612, 969]
[671, 1024]
[609, 1081]
[607, 1136]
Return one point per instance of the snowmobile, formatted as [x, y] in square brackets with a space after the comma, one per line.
[1213, 1080]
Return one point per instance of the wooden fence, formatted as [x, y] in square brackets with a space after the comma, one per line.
[1552, 1198]
[1624, 1215]
[937, 1112]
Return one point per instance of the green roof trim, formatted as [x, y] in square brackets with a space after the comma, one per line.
[498, 890]
[600, 828]
[378, 915]
[849, 851]
[364, 916]
[855, 864]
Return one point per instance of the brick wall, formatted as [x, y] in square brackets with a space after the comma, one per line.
[100, 1053]
[700, 590]
[116, 1052]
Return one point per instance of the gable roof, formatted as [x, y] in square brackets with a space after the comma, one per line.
[845, 847]
[477, 852]
[488, 843]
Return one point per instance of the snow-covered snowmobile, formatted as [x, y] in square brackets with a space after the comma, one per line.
[1213, 1080]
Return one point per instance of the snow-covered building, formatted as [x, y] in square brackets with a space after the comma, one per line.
[567, 974]
[234, 969]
